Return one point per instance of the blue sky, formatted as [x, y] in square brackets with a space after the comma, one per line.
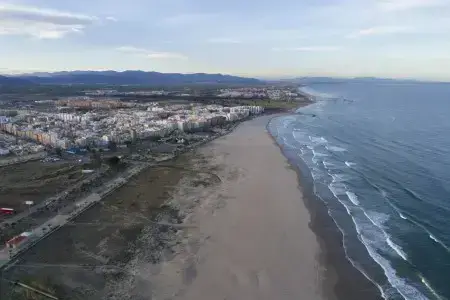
[264, 38]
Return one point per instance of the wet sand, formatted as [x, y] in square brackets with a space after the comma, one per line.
[252, 239]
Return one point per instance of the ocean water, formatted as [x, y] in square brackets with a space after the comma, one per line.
[378, 155]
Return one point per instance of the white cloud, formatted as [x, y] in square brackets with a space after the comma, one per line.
[380, 30]
[224, 40]
[309, 49]
[150, 54]
[41, 23]
[396, 5]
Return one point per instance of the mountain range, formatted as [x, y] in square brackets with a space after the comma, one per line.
[123, 78]
[6, 80]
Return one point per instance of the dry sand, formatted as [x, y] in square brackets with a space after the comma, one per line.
[252, 239]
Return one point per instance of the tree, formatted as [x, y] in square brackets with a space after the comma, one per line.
[113, 161]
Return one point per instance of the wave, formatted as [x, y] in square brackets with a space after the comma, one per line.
[339, 177]
[354, 264]
[418, 224]
[350, 164]
[353, 198]
[379, 220]
[438, 241]
[397, 249]
[328, 165]
[428, 285]
[337, 188]
[318, 140]
[319, 154]
[407, 291]
[335, 149]
[372, 239]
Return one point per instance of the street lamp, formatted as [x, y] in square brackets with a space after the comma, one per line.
[29, 204]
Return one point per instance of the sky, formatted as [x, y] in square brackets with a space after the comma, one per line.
[258, 38]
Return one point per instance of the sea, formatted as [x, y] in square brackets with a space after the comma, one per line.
[378, 155]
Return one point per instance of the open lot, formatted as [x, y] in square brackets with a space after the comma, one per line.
[35, 181]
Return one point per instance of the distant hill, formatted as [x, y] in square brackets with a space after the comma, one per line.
[8, 81]
[133, 78]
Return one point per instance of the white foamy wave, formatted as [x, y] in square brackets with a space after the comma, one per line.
[377, 219]
[403, 216]
[439, 242]
[353, 198]
[319, 154]
[318, 141]
[350, 164]
[354, 264]
[339, 177]
[407, 291]
[397, 249]
[428, 285]
[328, 165]
[337, 188]
[335, 149]
[372, 238]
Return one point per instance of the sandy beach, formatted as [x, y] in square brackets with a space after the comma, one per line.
[252, 238]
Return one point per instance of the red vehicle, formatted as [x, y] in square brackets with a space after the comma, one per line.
[7, 211]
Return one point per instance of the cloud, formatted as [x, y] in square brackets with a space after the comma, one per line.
[223, 40]
[310, 49]
[397, 5]
[41, 23]
[380, 30]
[141, 52]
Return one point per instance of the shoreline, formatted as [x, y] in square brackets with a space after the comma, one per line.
[341, 277]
